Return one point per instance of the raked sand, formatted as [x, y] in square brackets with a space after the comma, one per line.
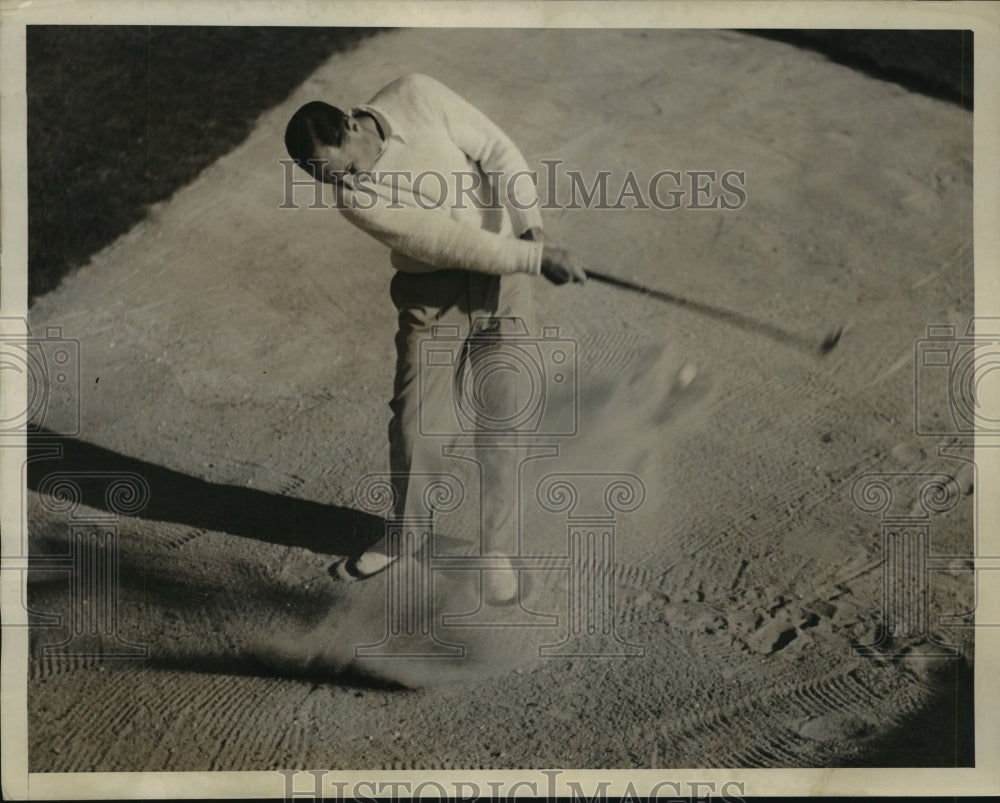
[240, 357]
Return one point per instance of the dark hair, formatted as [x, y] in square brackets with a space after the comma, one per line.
[316, 123]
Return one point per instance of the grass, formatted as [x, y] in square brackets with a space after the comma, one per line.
[935, 63]
[120, 117]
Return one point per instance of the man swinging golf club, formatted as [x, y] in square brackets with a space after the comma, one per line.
[430, 176]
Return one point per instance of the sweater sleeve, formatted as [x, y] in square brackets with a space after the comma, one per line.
[485, 142]
[436, 242]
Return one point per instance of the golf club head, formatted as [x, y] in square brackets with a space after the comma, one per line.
[830, 341]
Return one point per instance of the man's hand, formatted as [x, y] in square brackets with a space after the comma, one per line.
[560, 266]
[534, 233]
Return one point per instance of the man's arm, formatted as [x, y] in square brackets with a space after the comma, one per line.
[435, 240]
[485, 142]
[431, 237]
[558, 265]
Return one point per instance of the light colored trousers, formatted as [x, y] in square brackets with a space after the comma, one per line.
[475, 311]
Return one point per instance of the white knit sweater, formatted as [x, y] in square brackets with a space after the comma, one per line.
[426, 221]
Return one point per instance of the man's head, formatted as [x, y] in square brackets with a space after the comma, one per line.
[327, 143]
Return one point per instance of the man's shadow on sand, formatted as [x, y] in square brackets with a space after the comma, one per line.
[183, 499]
[236, 510]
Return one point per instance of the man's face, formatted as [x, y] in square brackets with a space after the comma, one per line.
[357, 152]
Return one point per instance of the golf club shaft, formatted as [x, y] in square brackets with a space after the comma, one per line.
[728, 316]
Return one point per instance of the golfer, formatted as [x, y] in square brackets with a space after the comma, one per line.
[429, 175]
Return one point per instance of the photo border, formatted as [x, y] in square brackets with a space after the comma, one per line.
[983, 18]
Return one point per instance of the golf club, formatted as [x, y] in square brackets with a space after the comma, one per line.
[810, 346]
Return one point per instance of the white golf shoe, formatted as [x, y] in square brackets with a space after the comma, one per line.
[500, 585]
